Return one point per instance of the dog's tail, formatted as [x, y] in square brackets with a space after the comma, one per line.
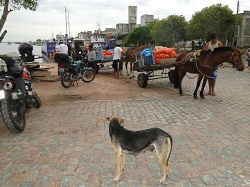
[170, 146]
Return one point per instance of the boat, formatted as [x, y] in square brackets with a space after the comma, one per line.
[97, 40]
[9, 43]
[48, 50]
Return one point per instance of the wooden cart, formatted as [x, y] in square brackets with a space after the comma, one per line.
[165, 66]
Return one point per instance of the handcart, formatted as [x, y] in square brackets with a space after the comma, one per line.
[148, 66]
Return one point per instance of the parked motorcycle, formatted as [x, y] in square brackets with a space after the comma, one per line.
[17, 95]
[72, 72]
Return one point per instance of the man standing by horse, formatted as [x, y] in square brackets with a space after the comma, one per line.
[117, 62]
[211, 45]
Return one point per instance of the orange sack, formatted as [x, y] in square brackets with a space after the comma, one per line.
[164, 53]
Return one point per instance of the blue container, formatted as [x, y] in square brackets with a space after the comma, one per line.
[149, 60]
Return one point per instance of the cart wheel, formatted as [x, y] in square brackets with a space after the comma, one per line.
[142, 80]
[171, 76]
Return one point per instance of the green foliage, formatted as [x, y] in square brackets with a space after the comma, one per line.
[169, 31]
[18, 4]
[214, 19]
[11, 5]
[139, 36]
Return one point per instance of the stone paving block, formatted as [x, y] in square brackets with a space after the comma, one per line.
[210, 140]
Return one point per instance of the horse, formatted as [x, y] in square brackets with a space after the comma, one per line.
[205, 65]
[130, 58]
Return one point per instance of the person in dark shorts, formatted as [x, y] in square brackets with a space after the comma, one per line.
[117, 63]
[214, 43]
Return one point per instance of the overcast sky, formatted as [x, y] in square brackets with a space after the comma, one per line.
[49, 18]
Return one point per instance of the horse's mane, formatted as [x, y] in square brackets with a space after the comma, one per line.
[220, 49]
[216, 50]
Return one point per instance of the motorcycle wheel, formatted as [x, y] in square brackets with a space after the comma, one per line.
[36, 101]
[67, 79]
[13, 113]
[88, 75]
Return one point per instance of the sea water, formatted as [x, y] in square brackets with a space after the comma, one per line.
[6, 48]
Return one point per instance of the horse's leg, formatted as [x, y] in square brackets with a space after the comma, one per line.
[131, 70]
[197, 86]
[181, 76]
[126, 65]
[121, 66]
[203, 87]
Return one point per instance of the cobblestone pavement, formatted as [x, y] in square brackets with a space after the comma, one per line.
[69, 145]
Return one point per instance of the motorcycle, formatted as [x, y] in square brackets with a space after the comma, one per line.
[73, 72]
[17, 94]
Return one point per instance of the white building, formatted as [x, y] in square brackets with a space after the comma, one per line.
[243, 38]
[146, 19]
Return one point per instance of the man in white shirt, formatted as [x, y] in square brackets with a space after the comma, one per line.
[117, 63]
[91, 57]
[62, 48]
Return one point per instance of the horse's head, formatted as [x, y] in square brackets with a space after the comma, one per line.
[236, 59]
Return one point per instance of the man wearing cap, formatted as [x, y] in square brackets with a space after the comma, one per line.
[69, 47]
[211, 45]
[62, 48]
[91, 57]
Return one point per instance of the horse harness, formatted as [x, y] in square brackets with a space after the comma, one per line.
[192, 57]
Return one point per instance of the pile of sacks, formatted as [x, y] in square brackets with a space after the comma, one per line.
[164, 52]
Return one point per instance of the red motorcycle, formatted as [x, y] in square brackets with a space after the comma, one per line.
[17, 95]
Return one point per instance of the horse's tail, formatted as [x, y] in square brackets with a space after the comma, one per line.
[176, 78]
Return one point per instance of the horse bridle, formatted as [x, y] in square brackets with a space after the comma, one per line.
[232, 56]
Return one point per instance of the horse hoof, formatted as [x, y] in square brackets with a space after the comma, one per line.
[195, 97]
[202, 97]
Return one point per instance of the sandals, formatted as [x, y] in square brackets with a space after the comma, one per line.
[208, 93]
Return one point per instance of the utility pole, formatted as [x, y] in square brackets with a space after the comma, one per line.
[236, 25]
[67, 24]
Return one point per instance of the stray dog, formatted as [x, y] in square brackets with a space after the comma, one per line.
[133, 142]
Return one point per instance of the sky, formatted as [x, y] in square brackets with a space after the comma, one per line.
[84, 15]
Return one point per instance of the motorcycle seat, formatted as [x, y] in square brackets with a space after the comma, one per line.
[74, 66]
[15, 71]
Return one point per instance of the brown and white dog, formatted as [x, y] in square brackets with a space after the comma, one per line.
[133, 142]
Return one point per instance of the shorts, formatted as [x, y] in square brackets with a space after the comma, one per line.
[248, 61]
[117, 64]
[214, 74]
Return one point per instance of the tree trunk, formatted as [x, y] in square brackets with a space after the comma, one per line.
[2, 36]
[4, 18]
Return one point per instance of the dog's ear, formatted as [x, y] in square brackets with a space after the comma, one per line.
[121, 121]
[109, 118]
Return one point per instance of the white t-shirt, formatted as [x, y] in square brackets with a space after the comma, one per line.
[91, 55]
[62, 48]
[117, 53]
[212, 46]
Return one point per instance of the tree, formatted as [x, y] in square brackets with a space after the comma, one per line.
[138, 36]
[170, 31]
[10, 5]
[214, 19]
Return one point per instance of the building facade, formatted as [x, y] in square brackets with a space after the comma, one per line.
[243, 39]
[132, 17]
[146, 19]
[122, 28]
